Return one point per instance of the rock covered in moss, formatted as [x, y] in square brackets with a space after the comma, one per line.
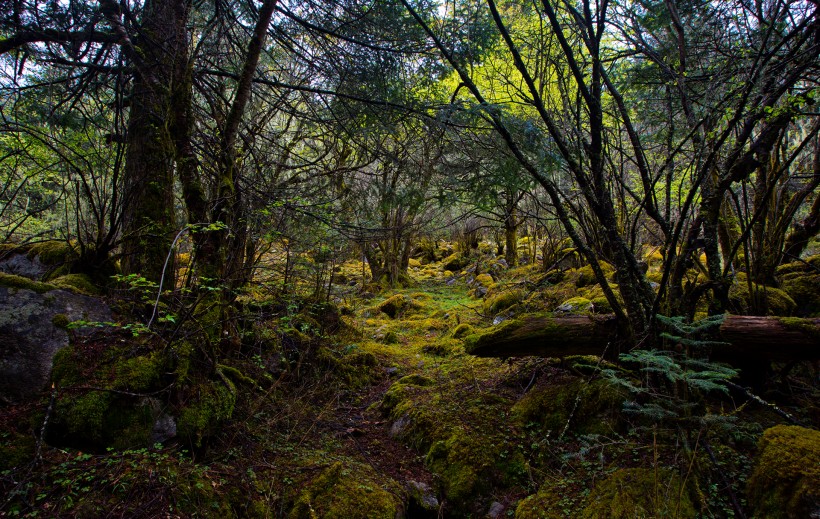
[586, 276]
[744, 301]
[455, 262]
[501, 301]
[545, 504]
[785, 482]
[469, 463]
[395, 306]
[212, 403]
[350, 490]
[639, 492]
[589, 408]
[801, 281]
[462, 330]
[99, 404]
[576, 305]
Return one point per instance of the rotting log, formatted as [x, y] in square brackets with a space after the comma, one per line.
[770, 338]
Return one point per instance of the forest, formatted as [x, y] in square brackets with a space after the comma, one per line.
[410, 258]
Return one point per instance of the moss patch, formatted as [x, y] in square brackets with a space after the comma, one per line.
[78, 283]
[20, 282]
[639, 492]
[786, 479]
[774, 300]
[502, 301]
[213, 403]
[349, 490]
[596, 412]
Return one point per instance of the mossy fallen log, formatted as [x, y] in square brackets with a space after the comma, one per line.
[771, 338]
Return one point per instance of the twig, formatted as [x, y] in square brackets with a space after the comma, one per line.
[759, 400]
[38, 457]
[578, 396]
[727, 485]
[162, 277]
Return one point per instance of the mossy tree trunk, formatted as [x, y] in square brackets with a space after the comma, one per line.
[148, 220]
[511, 224]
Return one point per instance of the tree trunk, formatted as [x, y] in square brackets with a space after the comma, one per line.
[148, 221]
[771, 338]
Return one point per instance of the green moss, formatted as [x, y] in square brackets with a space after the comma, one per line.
[15, 449]
[586, 276]
[78, 283]
[84, 415]
[397, 305]
[577, 305]
[484, 280]
[355, 368]
[502, 301]
[638, 492]
[786, 479]
[807, 326]
[455, 262]
[138, 374]
[462, 330]
[804, 288]
[443, 346]
[416, 380]
[349, 490]
[20, 282]
[776, 301]
[60, 321]
[52, 252]
[469, 462]
[390, 338]
[598, 406]
[546, 504]
[212, 403]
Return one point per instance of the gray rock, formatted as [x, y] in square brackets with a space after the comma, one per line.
[422, 496]
[481, 291]
[165, 428]
[450, 282]
[399, 426]
[29, 339]
[21, 265]
[495, 511]
[498, 320]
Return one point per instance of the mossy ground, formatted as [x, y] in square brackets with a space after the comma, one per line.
[332, 413]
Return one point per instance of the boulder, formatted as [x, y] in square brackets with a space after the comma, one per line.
[33, 329]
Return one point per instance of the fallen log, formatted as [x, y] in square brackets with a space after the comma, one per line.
[769, 338]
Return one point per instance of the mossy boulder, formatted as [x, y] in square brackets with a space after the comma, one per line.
[785, 482]
[24, 283]
[639, 492]
[545, 504]
[396, 306]
[462, 330]
[576, 305]
[585, 276]
[211, 404]
[350, 490]
[455, 262]
[99, 404]
[33, 327]
[53, 252]
[588, 408]
[469, 462]
[801, 281]
[744, 301]
[502, 301]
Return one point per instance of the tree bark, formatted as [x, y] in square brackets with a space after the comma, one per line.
[770, 338]
[148, 206]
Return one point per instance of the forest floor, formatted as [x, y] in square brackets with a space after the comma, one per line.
[388, 415]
